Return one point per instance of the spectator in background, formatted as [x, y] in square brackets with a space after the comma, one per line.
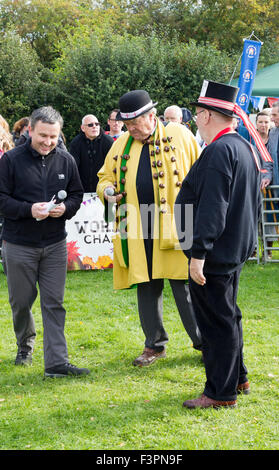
[186, 117]
[173, 114]
[273, 142]
[263, 124]
[4, 124]
[6, 141]
[19, 128]
[115, 127]
[273, 174]
[89, 149]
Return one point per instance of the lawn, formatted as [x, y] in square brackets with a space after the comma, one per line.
[120, 407]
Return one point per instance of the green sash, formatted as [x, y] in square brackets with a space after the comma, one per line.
[122, 211]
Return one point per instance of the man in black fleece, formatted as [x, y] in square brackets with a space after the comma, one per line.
[34, 237]
[89, 149]
[223, 187]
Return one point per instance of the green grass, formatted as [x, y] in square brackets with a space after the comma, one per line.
[120, 407]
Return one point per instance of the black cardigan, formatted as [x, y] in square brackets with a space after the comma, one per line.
[90, 156]
[223, 186]
[27, 177]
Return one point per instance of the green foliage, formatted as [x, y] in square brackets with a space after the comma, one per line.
[40, 23]
[224, 23]
[19, 77]
[80, 55]
[92, 75]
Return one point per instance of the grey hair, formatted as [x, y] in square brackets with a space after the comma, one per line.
[176, 109]
[275, 104]
[220, 116]
[151, 111]
[46, 114]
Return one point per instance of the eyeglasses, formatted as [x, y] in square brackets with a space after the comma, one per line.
[196, 115]
[91, 124]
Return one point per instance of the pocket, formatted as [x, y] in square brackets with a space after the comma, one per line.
[117, 250]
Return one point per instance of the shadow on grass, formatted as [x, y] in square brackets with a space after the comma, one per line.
[106, 370]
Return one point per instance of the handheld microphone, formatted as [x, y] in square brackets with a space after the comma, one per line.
[109, 206]
[55, 201]
[109, 191]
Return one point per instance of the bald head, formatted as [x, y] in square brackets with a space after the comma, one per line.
[90, 126]
[173, 114]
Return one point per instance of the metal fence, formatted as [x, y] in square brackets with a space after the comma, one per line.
[270, 223]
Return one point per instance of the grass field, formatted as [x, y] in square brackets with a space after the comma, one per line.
[120, 407]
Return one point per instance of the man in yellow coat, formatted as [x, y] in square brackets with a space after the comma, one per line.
[142, 174]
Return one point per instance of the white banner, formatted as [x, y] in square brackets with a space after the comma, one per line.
[89, 241]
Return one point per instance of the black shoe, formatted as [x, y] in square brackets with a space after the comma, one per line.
[63, 370]
[23, 358]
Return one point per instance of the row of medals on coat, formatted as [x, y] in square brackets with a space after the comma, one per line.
[158, 173]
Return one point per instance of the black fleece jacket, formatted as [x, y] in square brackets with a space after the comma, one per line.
[223, 187]
[27, 177]
[90, 156]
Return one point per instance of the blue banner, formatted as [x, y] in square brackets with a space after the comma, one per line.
[250, 57]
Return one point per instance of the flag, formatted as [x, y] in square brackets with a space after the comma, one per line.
[250, 57]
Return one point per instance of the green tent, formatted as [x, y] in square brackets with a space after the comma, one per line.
[266, 82]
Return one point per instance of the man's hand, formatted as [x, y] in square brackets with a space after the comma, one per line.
[38, 210]
[196, 271]
[112, 199]
[264, 183]
[58, 210]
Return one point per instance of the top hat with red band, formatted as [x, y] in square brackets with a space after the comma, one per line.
[217, 91]
[133, 104]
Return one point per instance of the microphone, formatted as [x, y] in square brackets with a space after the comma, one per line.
[109, 191]
[55, 201]
[109, 206]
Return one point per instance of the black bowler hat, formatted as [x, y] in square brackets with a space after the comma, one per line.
[133, 104]
[219, 91]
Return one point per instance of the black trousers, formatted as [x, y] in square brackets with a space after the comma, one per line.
[219, 321]
[150, 306]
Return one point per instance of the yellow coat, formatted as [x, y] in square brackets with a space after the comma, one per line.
[175, 150]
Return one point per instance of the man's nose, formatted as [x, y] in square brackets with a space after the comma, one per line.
[47, 141]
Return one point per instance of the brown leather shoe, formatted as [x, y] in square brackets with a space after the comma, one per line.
[148, 356]
[206, 402]
[243, 388]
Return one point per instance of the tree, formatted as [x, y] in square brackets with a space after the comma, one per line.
[40, 23]
[20, 77]
[90, 77]
[46, 24]
[223, 23]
